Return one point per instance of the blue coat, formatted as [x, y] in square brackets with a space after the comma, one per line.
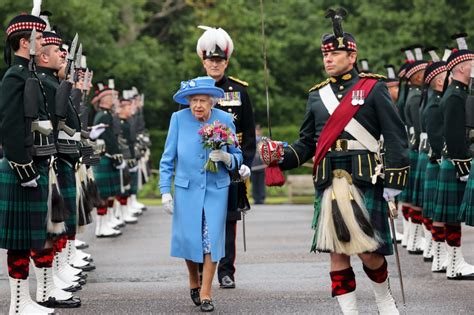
[195, 189]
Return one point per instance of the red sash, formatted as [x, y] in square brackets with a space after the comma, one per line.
[339, 119]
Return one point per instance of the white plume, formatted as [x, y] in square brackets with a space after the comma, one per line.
[390, 73]
[213, 37]
[418, 53]
[434, 55]
[46, 19]
[409, 54]
[447, 53]
[36, 8]
[462, 45]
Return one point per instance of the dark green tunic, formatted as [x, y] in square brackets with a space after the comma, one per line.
[23, 211]
[378, 116]
[450, 188]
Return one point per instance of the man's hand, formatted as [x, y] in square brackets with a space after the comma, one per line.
[167, 201]
[221, 156]
[271, 152]
[244, 171]
[96, 131]
[121, 166]
[390, 193]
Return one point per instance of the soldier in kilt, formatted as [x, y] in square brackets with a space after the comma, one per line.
[25, 217]
[126, 145]
[456, 160]
[351, 212]
[107, 173]
[432, 119]
[414, 74]
[49, 62]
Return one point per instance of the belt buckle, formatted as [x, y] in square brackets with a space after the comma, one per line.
[341, 145]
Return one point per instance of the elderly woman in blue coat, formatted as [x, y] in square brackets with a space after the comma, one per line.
[200, 197]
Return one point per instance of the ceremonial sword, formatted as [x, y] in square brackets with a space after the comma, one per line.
[392, 215]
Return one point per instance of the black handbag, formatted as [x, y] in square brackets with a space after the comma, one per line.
[237, 200]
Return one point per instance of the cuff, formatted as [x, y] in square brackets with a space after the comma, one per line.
[396, 178]
[462, 166]
[24, 172]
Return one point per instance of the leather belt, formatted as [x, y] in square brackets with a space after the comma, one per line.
[64, 136]
[344, 145]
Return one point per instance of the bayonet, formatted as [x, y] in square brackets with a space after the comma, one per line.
[392, 211]
[77, 63]
[71, 54]
[32, 64]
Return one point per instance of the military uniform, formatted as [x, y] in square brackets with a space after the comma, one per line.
[378, 120]
[236, 102]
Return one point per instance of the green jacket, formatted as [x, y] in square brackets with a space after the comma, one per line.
[377, 115]
[432, 118]
[454, 130]
[412, 115]
[111, 143]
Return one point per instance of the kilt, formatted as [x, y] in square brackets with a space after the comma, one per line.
[376, 206]
[67, 187]
[467, 206]
[134, 183]
[406, 195]
[107, 178]
[419, 182]
[449, 195]
[23, 211]
[430, 189]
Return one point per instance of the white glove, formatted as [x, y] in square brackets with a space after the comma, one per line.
[96, 131]
[121, 166]
[390, 193]
[464, 178]
[167, 201]
[222, 156]
[133, 169]
[32, 183]
[244, 171]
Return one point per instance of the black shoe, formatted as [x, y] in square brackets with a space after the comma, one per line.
[83, 246]
[207, 306]
[227, 283]
[195, 296]
[72, 302]
[427, 259]
[88, 267]
[415, 252]
[73, 288]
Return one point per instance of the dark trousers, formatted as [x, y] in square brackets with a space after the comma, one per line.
[257, 179]
[226, 265]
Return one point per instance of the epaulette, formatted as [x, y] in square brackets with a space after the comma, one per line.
[319, 85]
[239, 81]
[372, 75]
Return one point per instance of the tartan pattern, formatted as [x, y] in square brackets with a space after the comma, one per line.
[23, 211]
[374, 202]
[342, 281]
[406, 195]
[449, 195]
[134, 183]
[107, 178]
[419, 182]
[430, 189]
[67, 187]
[467, 207]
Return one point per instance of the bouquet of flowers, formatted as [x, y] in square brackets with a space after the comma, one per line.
[215, 136]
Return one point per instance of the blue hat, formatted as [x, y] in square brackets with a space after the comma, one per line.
[199, 85]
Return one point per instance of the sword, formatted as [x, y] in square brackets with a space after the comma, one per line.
[392, 215]
[243, 230]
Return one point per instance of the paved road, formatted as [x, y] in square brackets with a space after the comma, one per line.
[277, 274]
